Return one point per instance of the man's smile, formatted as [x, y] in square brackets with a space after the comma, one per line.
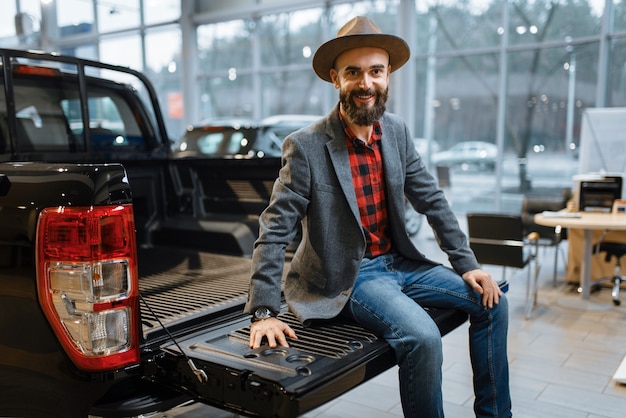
[364, 98]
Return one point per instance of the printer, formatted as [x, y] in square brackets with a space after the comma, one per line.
[596, 193]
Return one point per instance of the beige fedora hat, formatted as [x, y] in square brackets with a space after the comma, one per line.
[357, 33]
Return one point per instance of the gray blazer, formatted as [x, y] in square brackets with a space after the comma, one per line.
[315, 186]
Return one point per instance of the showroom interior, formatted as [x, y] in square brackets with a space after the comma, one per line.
[529, 78]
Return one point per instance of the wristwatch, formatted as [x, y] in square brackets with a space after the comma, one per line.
[262, 313]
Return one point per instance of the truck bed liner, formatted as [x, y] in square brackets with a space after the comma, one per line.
[183, 288]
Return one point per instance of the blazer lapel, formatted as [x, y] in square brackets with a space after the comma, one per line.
[391, 161]
[338, 153]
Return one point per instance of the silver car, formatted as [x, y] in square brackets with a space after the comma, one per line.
[465, 155]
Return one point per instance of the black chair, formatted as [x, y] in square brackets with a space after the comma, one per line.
[548, 236]
[499, 239]
[617, 250]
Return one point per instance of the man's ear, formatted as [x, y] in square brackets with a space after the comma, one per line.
[334, 76]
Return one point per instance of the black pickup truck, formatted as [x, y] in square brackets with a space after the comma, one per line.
[123, 270]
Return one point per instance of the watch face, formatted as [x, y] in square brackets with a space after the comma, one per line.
[262, 313]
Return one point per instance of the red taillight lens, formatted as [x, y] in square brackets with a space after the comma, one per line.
[87, 283]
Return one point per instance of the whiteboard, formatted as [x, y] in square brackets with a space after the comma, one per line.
[603, 141]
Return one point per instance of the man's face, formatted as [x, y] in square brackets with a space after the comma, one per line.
[362, 77]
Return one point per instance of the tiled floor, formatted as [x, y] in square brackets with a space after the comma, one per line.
[561, 361]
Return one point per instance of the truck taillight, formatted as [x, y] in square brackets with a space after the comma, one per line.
[87, 283]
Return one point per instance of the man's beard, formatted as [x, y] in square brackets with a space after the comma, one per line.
[363, 116]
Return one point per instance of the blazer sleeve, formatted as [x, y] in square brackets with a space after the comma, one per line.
[422, 190]
[278, 227]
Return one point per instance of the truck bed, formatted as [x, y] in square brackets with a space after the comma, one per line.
[203, 294]
[181, 289]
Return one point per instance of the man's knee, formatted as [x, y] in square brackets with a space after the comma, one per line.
[427, 351]
[502, 308]
[426, 341]
[499, 313]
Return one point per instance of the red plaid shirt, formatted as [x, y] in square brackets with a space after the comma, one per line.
[366, 166]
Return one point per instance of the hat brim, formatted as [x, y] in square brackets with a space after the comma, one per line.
[327, 53]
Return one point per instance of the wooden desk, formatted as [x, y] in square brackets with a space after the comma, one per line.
[600, 268]
[588, 222]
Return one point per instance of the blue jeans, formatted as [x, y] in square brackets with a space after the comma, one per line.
[388, 297]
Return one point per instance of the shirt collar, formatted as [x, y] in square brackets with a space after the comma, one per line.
[377, 132]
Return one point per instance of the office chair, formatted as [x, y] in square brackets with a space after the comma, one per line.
[498, 239]
[617, 250]
[548, 236]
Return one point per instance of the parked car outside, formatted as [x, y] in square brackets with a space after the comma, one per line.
[240, 138]
[220, 138]
[274, 129]
[468, 154]
[426, 148]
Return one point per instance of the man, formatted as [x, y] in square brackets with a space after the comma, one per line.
[347, 176]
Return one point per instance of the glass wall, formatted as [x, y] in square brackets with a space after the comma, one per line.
[515, 74]
[619, 15]
[617, 74]
[142, 34]
[7, 22]
[117, 15]
[539, 59]
[122, 50]
[286, 43]
[224, 57]
[544, 21]
[163, 65]
[458, 25]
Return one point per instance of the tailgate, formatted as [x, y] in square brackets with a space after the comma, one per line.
[324, 362]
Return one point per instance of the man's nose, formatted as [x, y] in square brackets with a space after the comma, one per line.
[365, 82]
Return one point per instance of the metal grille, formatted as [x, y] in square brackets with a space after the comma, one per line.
[248, 191]
[208, 282]
[335, 339]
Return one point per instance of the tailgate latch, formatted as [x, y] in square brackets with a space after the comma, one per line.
[200, 374]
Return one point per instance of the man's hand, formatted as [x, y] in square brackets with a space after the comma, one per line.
[482, 283]
[273, 329]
